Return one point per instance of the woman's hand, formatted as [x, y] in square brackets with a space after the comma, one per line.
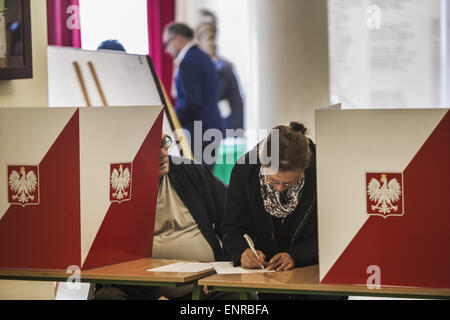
[281, 262]
[249, 260]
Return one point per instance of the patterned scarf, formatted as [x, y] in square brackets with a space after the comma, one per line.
[280, 204]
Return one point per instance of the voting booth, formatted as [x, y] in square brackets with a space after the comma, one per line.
[79, 185]
[79, 179]
[383, 181]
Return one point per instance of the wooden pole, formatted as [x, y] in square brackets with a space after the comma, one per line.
[81, 81]
[97, 83]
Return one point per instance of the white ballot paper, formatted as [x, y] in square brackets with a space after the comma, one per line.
[226, 267]
[183, 267]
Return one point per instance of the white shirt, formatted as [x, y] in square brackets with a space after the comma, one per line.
[183, 52]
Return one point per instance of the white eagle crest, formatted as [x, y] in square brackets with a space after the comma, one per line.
[384, 195]
[22, 185]
[120, 181]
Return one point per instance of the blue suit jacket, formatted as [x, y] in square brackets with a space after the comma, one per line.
[229, 90]
[197, 85]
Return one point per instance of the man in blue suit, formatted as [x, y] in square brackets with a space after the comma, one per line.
[197, 87]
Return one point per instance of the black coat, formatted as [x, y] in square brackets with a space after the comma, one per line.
[204, 196]
[245, 213]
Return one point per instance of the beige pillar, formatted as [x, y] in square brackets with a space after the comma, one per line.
[291, 52]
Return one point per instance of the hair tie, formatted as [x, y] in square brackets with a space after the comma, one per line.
[297, 127]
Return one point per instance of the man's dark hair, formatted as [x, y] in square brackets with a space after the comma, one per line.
[180, 29]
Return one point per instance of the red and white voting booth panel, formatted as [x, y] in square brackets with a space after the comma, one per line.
[78, 185]
[384, 197]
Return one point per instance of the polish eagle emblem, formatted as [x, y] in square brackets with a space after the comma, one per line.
[120, 182]
[23, 185]
[385, 195]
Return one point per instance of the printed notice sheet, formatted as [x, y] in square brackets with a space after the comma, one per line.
[222, 267]
[183, 267]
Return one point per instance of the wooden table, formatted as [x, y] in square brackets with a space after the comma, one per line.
[126, 273]
[306, 281]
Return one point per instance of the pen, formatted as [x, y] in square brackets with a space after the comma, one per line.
[252, 247]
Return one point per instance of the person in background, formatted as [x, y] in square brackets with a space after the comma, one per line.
[111, 45]
[231, 102]
[188, 219]
[276, 208]
[196, 83]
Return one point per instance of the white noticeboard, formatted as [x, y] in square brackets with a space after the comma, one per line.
[388, 54]
[123, 80]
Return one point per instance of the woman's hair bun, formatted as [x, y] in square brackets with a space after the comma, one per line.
[297, 126]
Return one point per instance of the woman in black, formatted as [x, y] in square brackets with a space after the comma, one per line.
[278, 210]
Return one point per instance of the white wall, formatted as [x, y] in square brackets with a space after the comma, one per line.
[30, 92]
[114, 19]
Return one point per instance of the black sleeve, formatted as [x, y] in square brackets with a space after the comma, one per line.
[305, 251]
[235, 222]
[218, 190]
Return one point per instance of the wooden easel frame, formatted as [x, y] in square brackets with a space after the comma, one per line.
[175, 125]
